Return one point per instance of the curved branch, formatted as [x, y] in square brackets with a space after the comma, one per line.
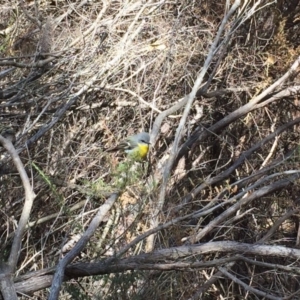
[7, 270]
[29, 197]
[59, 274]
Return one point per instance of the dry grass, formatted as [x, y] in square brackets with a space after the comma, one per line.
[113, 67]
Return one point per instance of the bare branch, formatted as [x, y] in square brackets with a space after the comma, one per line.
[189, 101]
[29, 197]
[256, 194]
[59, 274]
[251, 105]
[165, 259]
[246, 154]
[247, 287]
[8, 270]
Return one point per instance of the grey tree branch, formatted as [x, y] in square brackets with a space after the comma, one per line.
[166, 259]
[238, 162]
[60, 271]
[251, 105]
[7, 287]
[189, 101]
[247, 287]
[29, 197]
[256, 194]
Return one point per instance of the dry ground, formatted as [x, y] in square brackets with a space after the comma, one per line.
[78, 77]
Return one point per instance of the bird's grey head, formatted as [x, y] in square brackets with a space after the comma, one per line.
[143, 137]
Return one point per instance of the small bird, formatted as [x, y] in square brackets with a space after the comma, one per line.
[137, 146]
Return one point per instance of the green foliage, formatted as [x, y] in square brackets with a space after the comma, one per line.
[127, 173]
[297, 154]
[121, 286]
[76, 292]
[57, 196]
[4, 253]
[96, 188]
[4, 44]
[295, 158]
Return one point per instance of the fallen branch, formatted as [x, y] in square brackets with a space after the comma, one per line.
[166, 259]
[9, 269]
[60, 270]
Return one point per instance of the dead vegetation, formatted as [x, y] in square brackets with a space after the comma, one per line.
[214, 212]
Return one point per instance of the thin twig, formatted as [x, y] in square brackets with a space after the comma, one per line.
[247, 287]
[231, 210]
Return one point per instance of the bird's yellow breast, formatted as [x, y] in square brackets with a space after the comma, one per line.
[143, 150]
[139, 152]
